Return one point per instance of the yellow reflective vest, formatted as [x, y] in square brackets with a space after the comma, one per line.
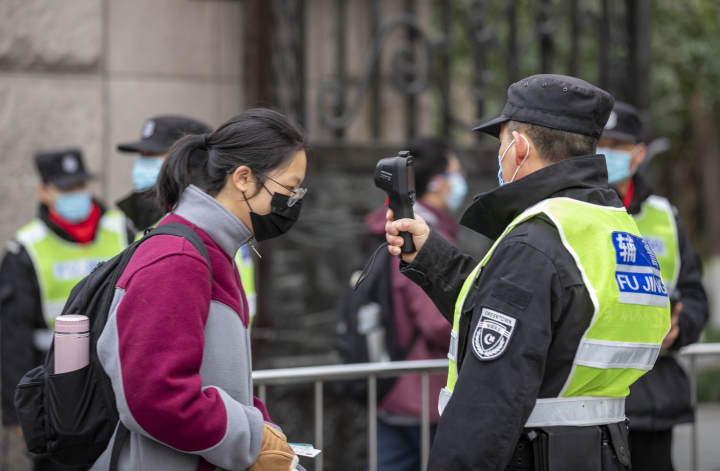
[657, 224]
[631, 312]
[246, 268]
[59, 264]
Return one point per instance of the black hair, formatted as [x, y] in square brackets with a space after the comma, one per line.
[430, 158]
[261, 139]
[555, 145]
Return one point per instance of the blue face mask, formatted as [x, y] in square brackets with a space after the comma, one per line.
[74, 206]
[618, 164]
[501, 182]
[458, 190]
[145, 172]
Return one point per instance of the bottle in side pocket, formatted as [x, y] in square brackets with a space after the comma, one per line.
[72, 342]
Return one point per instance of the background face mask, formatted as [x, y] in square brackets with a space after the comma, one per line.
[75, 206]
[145, 172]
[618, 164]
[458, 190]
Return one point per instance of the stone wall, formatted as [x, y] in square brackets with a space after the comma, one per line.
[87, 73]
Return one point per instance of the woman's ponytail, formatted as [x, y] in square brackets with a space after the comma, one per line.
[175, 174]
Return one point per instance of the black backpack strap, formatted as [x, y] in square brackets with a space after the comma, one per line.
[181, 230]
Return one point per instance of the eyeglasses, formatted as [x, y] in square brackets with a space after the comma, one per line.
[296, 194]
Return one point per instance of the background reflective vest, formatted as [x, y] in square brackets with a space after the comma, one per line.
[656, 221]
[631, 312]
[59, 264]
[244, 262]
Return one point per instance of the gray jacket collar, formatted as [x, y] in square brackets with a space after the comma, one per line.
[209, 215]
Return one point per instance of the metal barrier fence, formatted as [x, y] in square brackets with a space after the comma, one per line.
[692, 352]
[372, 371]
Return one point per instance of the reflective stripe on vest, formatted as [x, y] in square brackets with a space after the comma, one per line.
[577, 411]
[631, 312]
[59, 264]
[246, 268]
[656, 221]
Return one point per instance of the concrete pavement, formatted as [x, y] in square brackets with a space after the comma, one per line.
[708, 421]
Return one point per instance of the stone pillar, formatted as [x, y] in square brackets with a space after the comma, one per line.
[168, 57]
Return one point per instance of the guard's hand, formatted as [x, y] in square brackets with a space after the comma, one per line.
[417, 227]
[672, 335]
[275, 453]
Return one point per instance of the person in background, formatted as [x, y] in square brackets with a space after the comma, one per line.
[71, 234]
[420, 329]
[176, 346]
[158, 134]
[661, 399]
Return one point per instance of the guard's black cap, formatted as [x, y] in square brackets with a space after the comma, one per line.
[624, 123]
[556, 102]
[63, 168]
[160, 133]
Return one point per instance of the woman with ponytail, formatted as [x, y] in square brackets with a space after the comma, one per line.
[176, 345]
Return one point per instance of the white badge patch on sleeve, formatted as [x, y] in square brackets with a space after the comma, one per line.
[492, 334]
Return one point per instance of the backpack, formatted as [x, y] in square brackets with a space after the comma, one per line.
[70, 417]
[365, 330]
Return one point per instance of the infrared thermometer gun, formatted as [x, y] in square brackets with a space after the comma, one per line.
[395, 176]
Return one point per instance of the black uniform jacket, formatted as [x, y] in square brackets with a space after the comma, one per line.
[661, 398]
[20, 315]
[141, 209]
[530, 277]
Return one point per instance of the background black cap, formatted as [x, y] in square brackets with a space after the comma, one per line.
[557, 102]
[624, 123]
[63, 168]
[160, 133]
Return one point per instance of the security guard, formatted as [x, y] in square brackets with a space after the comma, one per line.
[158, 135]
[660, 399]
[47, 257]
[564, 312]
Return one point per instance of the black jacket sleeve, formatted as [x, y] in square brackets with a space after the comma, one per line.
[20, 315]
[694, 312]
[440, 270]
[494, 396]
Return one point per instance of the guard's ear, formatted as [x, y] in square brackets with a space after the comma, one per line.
[522, 147]
[46, 195]
[638, 156]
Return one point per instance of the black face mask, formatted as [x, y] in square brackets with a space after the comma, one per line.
[278, 221]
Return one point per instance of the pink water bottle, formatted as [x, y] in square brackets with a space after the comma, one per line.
[72, 342]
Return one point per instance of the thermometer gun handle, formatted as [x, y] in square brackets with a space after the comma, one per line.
[401, 210]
